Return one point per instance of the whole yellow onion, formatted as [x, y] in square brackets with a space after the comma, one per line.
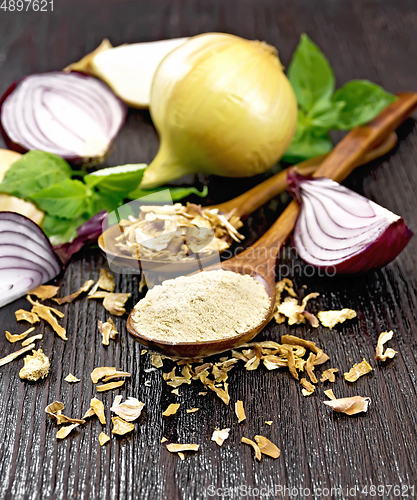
[222, 105]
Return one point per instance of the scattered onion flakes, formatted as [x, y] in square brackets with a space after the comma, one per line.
[308, 388]
[89, 413]
[254, 446]
[102, 371]
[330, 319]
[267, 447]
[114, 303]
[109, 386]
[45, 313]
[98, 407]
[157, 360]
[44, 292]
[36, 366]
[65, 431]
[179, 448]
[357, 370]
[14, 355]
[240, 411]
[32, 339]
[389, 352]
[192, 410]
[130, 410]
[63, 419]
[103, 438]
[121, 427]
[70, 298]
[350, 406]
[105, 282]
[17, 338]
[214, 376]
[309, 367]
[98, 295]
[116, 375]
[290, 308]
[269, 422]
[70, 378]
[329, 393]
[220, 436]
[108, 331]
[171, 410]
[54, 410]
[164, 440]
[30, 317]
[329, 375]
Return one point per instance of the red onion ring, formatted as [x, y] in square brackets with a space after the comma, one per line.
[26, 257]
[69, 114]
[341, 229]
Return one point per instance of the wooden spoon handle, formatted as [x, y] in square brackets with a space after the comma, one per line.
[337, 166]
[346, 155]
[251, 200]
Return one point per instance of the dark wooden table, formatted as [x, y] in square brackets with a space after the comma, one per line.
[372, 39]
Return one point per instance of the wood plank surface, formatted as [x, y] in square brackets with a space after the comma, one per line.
[373, 39]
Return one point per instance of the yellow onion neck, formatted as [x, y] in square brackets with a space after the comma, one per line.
[162, 170]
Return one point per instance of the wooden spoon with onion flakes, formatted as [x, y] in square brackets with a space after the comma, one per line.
[242, 205]
[259, 260]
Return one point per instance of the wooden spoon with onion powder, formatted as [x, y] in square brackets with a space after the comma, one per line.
[259, 260]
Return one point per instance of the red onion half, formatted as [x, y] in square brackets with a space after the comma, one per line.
[341, 229]
[69, 114]
[26, 257]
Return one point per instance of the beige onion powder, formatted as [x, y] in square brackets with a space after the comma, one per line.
[211, 305]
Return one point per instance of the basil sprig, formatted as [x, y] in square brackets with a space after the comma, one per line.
[69, 200]
[321, 108]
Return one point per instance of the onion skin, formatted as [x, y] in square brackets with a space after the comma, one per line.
[382, 252]
[377, 253]
[75, 158]
[222, 105]
[86, 233]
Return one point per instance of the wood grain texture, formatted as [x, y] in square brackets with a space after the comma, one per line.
[372, 39]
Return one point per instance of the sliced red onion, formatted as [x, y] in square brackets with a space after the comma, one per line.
[86, 233]
[341, 229]
[26, 257]
[69, 114]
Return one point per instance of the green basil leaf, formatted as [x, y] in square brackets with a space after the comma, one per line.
[33, 172]
[310, 74]
[67, 199]
[310, 142]
[325, 115]
[108, 201]
[116, 179]
[61, 230]
[161, 195]
[363, 101]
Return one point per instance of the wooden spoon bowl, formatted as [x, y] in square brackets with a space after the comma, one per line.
[259, 260]
[206, 348]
